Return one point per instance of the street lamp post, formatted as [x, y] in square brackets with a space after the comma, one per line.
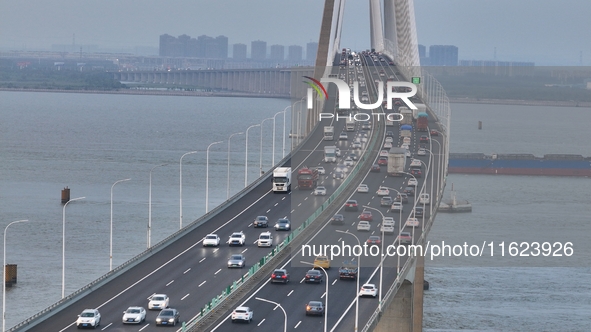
[358, 277]
[64, 245]
[4, 275]
[150, 208]
[261, 147]
[284, 115]
[399, 228]
[428, 168]
[273, 159]
[382, 260]
[280, 307]
[181, 188]
[207, 175]
[228, 189]
[246, 156]
[111, 232]
[326, 291]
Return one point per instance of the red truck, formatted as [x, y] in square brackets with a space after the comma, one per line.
[422, 122]
[307, 178]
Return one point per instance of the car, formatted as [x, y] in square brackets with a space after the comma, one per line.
[390, 139]
[410, 191]
[315, 308]
[236, 260]
[375, 168]
[212, 240]
[338, 175]
[337, 219]
[366, 215]
[353, 156]
[320, 191]
[321, 170]
[434, 132]
[313, 276]
[389, 133]
[343, 136]
[280, 275]
[422, 152]
[412, 182]
[396, 206]
[261, 221]
[89, 318]
[366, 126]
[416, 172]
[265, 240]
[338, 152]
[283, 225]
[244, 314]
[407, 153]
[368, 290]
[424, 139]
[342, 168]
[374, 239]
[383, 161]
[402, 198]
[388, 145]
[406, 141]
[405, 146]
[134, 315]
[168, 317]
[412, 222]
[424, 199]
[322, 262]
[363, 226]
[349, 162]
[405, 238]
[363, 188]
[356, 145]
[383, 191]
[237, 239]
[351, 205]
[158, 302]
[384, 153]
[415, 163]
[418, 212]
[386, 201]
[387, 225]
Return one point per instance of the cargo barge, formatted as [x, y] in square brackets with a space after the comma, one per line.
[520, 164]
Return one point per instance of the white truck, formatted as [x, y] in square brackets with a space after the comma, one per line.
[396, 161]
[406, 115]
[330, 154]
[350, 124]
[282, 179]
[328, 133]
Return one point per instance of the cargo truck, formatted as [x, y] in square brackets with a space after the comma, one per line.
[307, 178]
[422, 122]
[350, 124]
[348, 270]
[396, 161]
[328, 133]
[330, 154]
[406, 116]
[282, 179]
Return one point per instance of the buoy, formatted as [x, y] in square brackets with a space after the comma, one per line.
[65, 195]
[425, 285]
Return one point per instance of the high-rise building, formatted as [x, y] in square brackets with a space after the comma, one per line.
[424, 60]
[277, 53]
[258, 50]
[294, 53]
[443, 55]
[169, 46]
[239, 52]
[222, 47]
[311, 50]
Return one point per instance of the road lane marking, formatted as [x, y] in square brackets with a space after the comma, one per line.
[334, 282]
[244, 250]
[143, 327]
[215, 250]
[187, 270]
[302, 280]
[259, 324]
[184, 297]
[170, 282]
[323, 295]
[218, 271]
[202, 259]
[290, 292]
[104, 328]
[298, 324]
[201, 284]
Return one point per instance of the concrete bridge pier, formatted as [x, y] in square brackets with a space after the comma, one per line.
[405, 312]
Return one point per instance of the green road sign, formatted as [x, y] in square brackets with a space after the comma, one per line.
[416, 80]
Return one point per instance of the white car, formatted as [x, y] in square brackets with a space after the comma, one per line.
[363, 226]
[89, 318]
[237, 239]
[243, 314]
[389, 139]
[407, 153]
[265, 240]
[341, 168]
[338, 152]
[320, 191]
[396, 206]
[384, 153]
[363, 188]
[356, 145]
[415, 163]
[405, 146]
[412, 222]
[383, 191]
[388, 145]
[424, 199]
[368, 290]
[343, 136]
[387, 226]
[349, 162]
[422, 152]
[158, 301]
[134, 315]
[412, 182]
[212, 240]
[321, 170]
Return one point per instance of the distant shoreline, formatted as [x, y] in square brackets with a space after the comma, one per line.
[256, 95]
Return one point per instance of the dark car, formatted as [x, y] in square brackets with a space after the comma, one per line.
[261, 221]
[315, 308]
[168, 317]
[389, 134]
[410, 191]
[424, 139]
[366, 215]
[374, 239]
[351, 205]
[434, 132]
[353, 155]
[386, 201]
[337, 219]
[402, 198]
[314, 276]
[383, 161]
[283, 225]
[416, 172]
[280, 275]
[418, 212]
[375, 168]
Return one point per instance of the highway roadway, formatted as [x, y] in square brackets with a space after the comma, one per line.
[294, 296]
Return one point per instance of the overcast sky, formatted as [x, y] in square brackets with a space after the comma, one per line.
[542, 31]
